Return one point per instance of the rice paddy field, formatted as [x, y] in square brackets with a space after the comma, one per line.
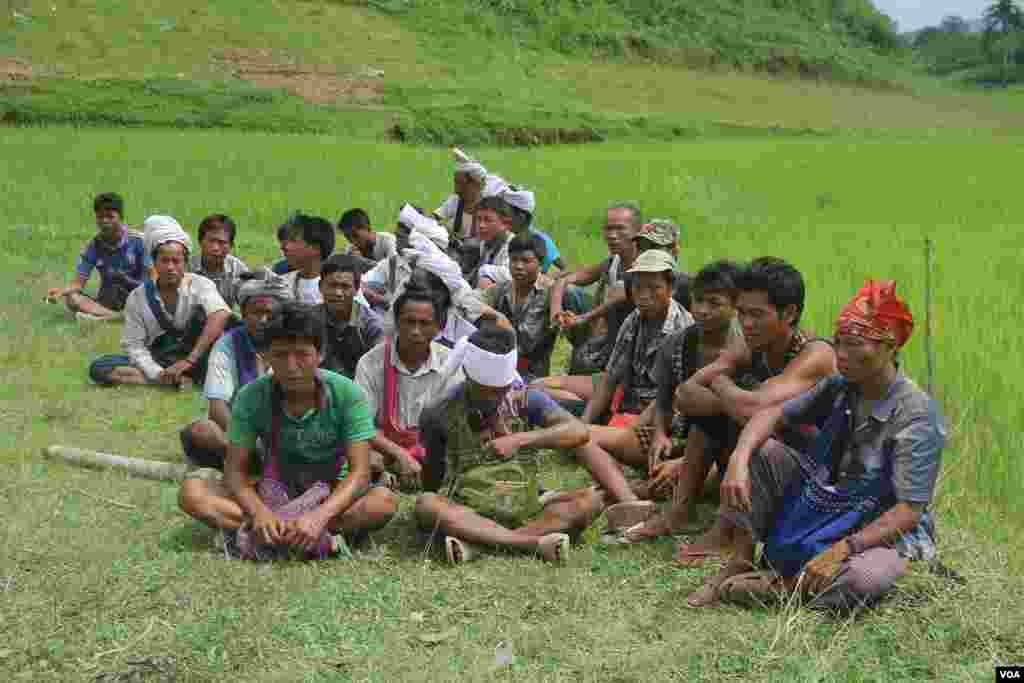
[101, 578]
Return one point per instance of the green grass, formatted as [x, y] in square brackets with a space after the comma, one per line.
[88, 586]
[162, 63]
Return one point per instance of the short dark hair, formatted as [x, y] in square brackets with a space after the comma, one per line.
[489, 337]
[108, 200]
[352, 219]
[783, 283]
[424, 279]
[217, 221]
[498, 205]
[295, 320]
[312, 230]
[419, 290]
[717, 276]
[342, 263]
[528, 242]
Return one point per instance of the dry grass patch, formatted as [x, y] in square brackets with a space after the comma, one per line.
[315, 83]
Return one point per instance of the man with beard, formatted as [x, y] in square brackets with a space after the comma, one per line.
[782, 362]
[353, 328]
[840, 519]
[236, 360]
[481, 463]
[170, 324]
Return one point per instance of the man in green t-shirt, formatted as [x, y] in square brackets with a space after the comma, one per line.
[316, 427]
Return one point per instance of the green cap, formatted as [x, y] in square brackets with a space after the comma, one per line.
[653, 261]
[660, 231]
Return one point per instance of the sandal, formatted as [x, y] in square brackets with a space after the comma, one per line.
[753, 588]
[626, 515]
[554, 547]
[458, 551]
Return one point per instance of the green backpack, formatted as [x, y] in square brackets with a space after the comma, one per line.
[503, 490]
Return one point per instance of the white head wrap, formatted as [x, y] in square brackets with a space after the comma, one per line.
[157, 230]
[426, 254]
[474, 169]
[494, 185]
[428, 227]
[265, 284]
[520, 198]
[483, 367]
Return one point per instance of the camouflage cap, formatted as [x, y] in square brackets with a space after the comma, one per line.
[653, 261]
[660, 231]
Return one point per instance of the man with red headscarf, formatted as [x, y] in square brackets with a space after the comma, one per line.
[840, 521]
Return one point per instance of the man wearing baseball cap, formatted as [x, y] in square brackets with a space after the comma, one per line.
[633, 366]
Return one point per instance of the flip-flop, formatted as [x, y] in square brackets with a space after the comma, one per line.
[694, 555]
[763, 587]
[458, 551]
[641, 533]
[625, 515]
[554, 547]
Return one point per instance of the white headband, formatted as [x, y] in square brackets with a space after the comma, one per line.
[483, 367]
[417, 222]
[474, 169]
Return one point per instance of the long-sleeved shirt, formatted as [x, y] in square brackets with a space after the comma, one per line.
[141, 328]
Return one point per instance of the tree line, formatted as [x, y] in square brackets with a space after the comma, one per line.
[987, 51]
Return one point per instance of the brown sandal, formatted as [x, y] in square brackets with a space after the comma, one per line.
[753, 588]
[625, 515]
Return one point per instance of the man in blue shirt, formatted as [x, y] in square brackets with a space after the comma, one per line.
[120, 257]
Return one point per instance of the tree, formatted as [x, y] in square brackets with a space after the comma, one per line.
[954, 24]
[1003, 23]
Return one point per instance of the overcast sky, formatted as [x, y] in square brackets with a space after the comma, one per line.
[915, 14]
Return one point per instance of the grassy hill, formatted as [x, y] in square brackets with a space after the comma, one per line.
[497, 71]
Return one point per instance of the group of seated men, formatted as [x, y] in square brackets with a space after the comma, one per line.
[420, 361]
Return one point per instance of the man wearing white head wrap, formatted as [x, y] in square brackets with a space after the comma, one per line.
[421, 246]
[524, 205]
[472, 183]
[234, 362]
[159, 230]
[170, 323]
[481, 441]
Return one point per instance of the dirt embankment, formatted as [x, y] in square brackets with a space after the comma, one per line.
[315, 83]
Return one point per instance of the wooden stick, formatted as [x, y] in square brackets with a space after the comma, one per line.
[147, 469]
[929, 352]
[117, 503]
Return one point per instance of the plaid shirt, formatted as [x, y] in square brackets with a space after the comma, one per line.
[535, 334]
[227, 281]
[634, 359]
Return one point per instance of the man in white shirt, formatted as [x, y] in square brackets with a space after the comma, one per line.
[402, 375]
[170, 323]
[309, 240]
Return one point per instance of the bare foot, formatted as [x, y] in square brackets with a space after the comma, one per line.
[554, 547]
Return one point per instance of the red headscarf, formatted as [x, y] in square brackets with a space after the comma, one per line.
[876, 313]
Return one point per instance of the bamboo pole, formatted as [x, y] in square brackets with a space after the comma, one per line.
[929, 352]
[140, 467]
